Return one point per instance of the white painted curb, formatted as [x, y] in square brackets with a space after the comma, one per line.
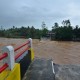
[53, 67]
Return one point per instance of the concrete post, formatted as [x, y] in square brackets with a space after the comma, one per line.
[31, 49]
[10, 59]
[30, 42]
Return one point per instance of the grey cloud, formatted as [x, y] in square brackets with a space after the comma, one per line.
[33, 12]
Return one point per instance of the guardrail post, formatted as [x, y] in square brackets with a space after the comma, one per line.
[31, 49]
[30, 44]
[10, 59]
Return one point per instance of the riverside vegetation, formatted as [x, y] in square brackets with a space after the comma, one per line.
[65, 32]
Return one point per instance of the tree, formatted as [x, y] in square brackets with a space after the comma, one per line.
[66, 23]
[13, 27]
[32, 32]
[63, 33]
[44, 29]
[56, 25]
[1, 28]
[76, 32]
[2, 33]
[43, 25]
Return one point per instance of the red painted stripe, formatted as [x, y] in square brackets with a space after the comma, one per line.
[3, 67]
[4, 55]
[19, 54]
[21, 46]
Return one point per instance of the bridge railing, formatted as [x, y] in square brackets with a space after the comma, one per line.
[4, 55]
[27, 48]
[15, 66]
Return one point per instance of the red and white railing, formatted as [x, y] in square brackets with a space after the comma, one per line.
[8, 55]
[4, 55]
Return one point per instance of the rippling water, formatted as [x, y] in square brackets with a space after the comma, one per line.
[61, 52]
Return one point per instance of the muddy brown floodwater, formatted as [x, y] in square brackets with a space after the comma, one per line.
[60, 52]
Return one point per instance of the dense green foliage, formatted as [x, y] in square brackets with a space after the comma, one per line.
[64, 32]
[23, 32]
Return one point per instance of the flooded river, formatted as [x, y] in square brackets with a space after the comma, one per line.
[60, 52]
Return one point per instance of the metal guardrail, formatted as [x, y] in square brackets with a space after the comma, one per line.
[21, 46]
[6, 54]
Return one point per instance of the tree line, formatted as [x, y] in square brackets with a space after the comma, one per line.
[23, 32]
[65, 32]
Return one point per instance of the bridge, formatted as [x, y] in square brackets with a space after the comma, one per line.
[24, 66]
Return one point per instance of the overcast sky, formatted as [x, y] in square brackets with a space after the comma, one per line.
[34, 12]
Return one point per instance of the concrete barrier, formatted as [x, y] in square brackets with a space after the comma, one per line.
[15, 67]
